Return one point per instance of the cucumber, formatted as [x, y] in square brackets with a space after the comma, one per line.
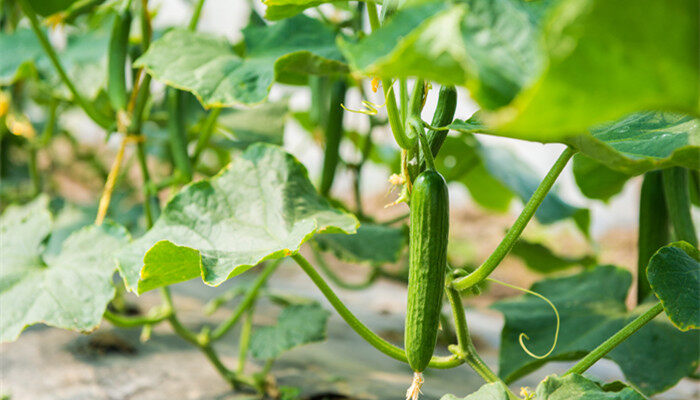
[444, 115]
[334, 134]
[427, 263]
[116, 63]
[677, 194]
[653, 230]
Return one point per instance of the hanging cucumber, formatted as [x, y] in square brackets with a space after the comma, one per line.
[429, 227]
[678, 203]
[334, 133]
[116, 63]
[653, 228]
[444, 114]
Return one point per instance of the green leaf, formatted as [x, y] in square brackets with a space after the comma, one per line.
[48, 7]
[263, 123]
[287, 52]
[577, 387]
[296, 326]
[674, 275]
[606, 60]
[489, 46]
[280, 9]
[540, 258]
[83, 58]
[644, 141]
[595, 180]
[592, 308]
[569, 387]
[24, 48]
[489, 391]
[67, 290]
[373, 243]
[262, 206]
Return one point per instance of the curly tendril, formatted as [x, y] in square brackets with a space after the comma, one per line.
[523, 336]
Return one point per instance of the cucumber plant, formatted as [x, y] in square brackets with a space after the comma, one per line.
[213, 193]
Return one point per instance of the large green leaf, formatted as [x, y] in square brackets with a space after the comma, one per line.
[296, 326]
[83, 58]
[68, 290]
[607, 59]
[373, 243]
[592, 308]
[489, 391]
[569, 387]
[48, 7]
[631, 145]
[287, 51]
[489, 46]
[577, 387]
[644, 141]
[674, 275]
[262, 206]
[23, 47]
[280, 9]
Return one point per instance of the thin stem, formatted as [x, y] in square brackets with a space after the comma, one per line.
[51, 53]
[205, 134]
[615, 340]
[391, 108]
[124, 321]
[244, 340]
[465, 347]
[403, 98]
[427, 153]
[180, 329]
[34, 170]
[372, 338]
[194, 20]
[519, 225]
[318, 257]
[247, 301]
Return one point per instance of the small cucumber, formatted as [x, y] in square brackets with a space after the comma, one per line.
[116, 63]
[653, 228]
[427, 263]
[334, 135]
[444, 114]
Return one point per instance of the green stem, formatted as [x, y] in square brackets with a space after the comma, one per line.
[653, 231]
[519, 225]
[51, 53]
[195, 15]
[205, 134]
[465, 347]
[179, 329]
[403, 86]
[427, 153]
[415, 105]
[34, 171]
[392, 110]
[600, 351]
[677, 194]
[318, 257]
[247, 301]
[244, 340]
[380, 344]
[124, 321]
